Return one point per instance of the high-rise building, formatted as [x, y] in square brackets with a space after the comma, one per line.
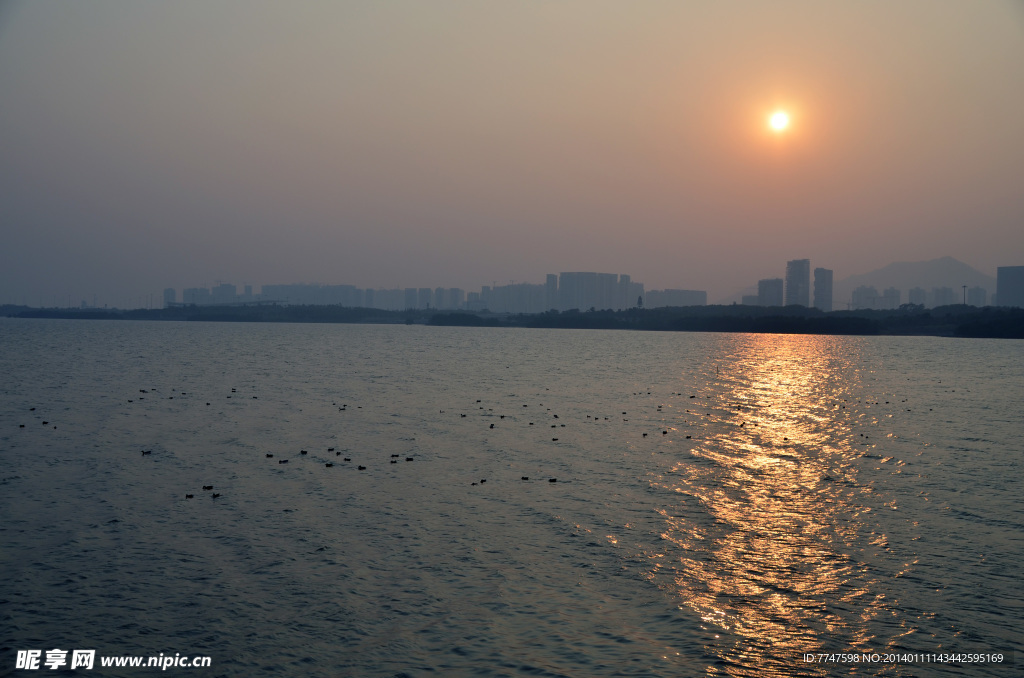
[769, 292]
[891, 298]
[224, 293]
[197, 296]
[823, 289]
[1010, 285]
[585, 290]
[798, 282]
[977, 296]
[551, 292]
[865, 296]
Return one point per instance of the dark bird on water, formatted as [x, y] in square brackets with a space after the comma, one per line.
[215, 495]
[362, 468]
[188, 496]
[207, 487]
[282, 461]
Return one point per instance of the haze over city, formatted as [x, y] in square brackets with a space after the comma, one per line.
[456, 144]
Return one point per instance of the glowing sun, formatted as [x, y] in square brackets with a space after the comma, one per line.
[778, 121]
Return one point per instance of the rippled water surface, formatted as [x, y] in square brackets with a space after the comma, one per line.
[723, 504]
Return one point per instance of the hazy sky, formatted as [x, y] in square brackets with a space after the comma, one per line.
[146, 145]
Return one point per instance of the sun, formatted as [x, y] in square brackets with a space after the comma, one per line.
[779, 121]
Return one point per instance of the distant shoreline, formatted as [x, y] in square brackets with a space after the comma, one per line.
[909, 320]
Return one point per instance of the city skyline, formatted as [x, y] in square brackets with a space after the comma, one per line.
[566, 291]
[173, 144]
[925, 287]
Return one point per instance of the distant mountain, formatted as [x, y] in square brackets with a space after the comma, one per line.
[904, 275]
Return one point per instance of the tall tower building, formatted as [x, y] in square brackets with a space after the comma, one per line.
[1010, 285]
[823, 289]
[551, 291]
[798, 282]
[769, 292]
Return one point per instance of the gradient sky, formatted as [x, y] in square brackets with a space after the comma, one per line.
[146, 145]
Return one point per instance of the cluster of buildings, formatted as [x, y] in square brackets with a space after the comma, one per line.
[604, 291]
[866, 296]
[565, 291]
[1009, 292]
[795, 288]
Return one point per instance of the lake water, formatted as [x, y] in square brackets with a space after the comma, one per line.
[723, 503]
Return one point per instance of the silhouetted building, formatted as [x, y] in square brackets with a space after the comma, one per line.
[798, 282]
[890, 298]
[864, 296]
[410, 298]
[769, 292]
[1010, 285]
[197, 296]
[224, 294]
[917, 295]
[585, 290]
[515, 298]
[977, 296]
[823, 289]
[551, 292]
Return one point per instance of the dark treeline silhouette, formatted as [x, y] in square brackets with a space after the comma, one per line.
[956, 320]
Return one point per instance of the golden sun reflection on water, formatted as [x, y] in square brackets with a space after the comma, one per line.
[763, 543]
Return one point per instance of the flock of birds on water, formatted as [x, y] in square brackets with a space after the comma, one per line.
[395, 458]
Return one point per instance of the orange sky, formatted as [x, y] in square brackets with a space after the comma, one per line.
[459, 143]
